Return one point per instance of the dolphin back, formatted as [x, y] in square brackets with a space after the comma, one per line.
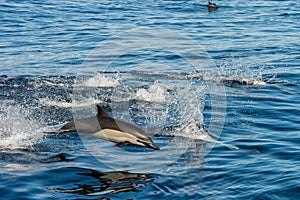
[86, 125]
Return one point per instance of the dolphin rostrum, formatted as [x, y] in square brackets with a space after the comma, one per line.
[105, 127]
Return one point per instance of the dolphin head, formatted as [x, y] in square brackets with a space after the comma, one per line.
[122, 132]
[140, 138]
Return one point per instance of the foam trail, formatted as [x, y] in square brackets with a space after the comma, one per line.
[84, 102]
[200, 134]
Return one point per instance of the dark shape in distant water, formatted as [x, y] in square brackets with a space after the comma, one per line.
[212, 6]
[284, 14]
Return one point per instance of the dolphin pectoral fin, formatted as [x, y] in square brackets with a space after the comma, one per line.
[122, 144]
[148, 145]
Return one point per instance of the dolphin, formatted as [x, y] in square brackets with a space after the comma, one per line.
[211, 6]
[105, 127]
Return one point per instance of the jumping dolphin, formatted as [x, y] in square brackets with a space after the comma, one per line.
[105, 127]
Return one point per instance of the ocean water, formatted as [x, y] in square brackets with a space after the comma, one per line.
[173, 68]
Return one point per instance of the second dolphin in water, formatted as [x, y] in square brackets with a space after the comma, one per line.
[105, 127]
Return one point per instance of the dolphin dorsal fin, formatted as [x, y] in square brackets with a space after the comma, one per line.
[102, 112]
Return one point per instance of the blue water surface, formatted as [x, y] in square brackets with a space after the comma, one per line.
[44, 51]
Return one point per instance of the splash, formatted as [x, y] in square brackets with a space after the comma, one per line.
[17, 129]
[85, 102]
[188, 104]
[58, 103]
[155, 93]
[176, 104]
[235, 72]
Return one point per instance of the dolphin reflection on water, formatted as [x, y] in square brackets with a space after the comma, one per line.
[105, 127]
[105, 183]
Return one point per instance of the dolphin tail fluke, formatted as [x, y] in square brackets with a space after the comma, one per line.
[56, 132]
[50, 132]
[68, 127]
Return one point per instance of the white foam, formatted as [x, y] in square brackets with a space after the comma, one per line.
[50, 83]
[155, 93]
[258, 82]
[60, 103]
[100, 81]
